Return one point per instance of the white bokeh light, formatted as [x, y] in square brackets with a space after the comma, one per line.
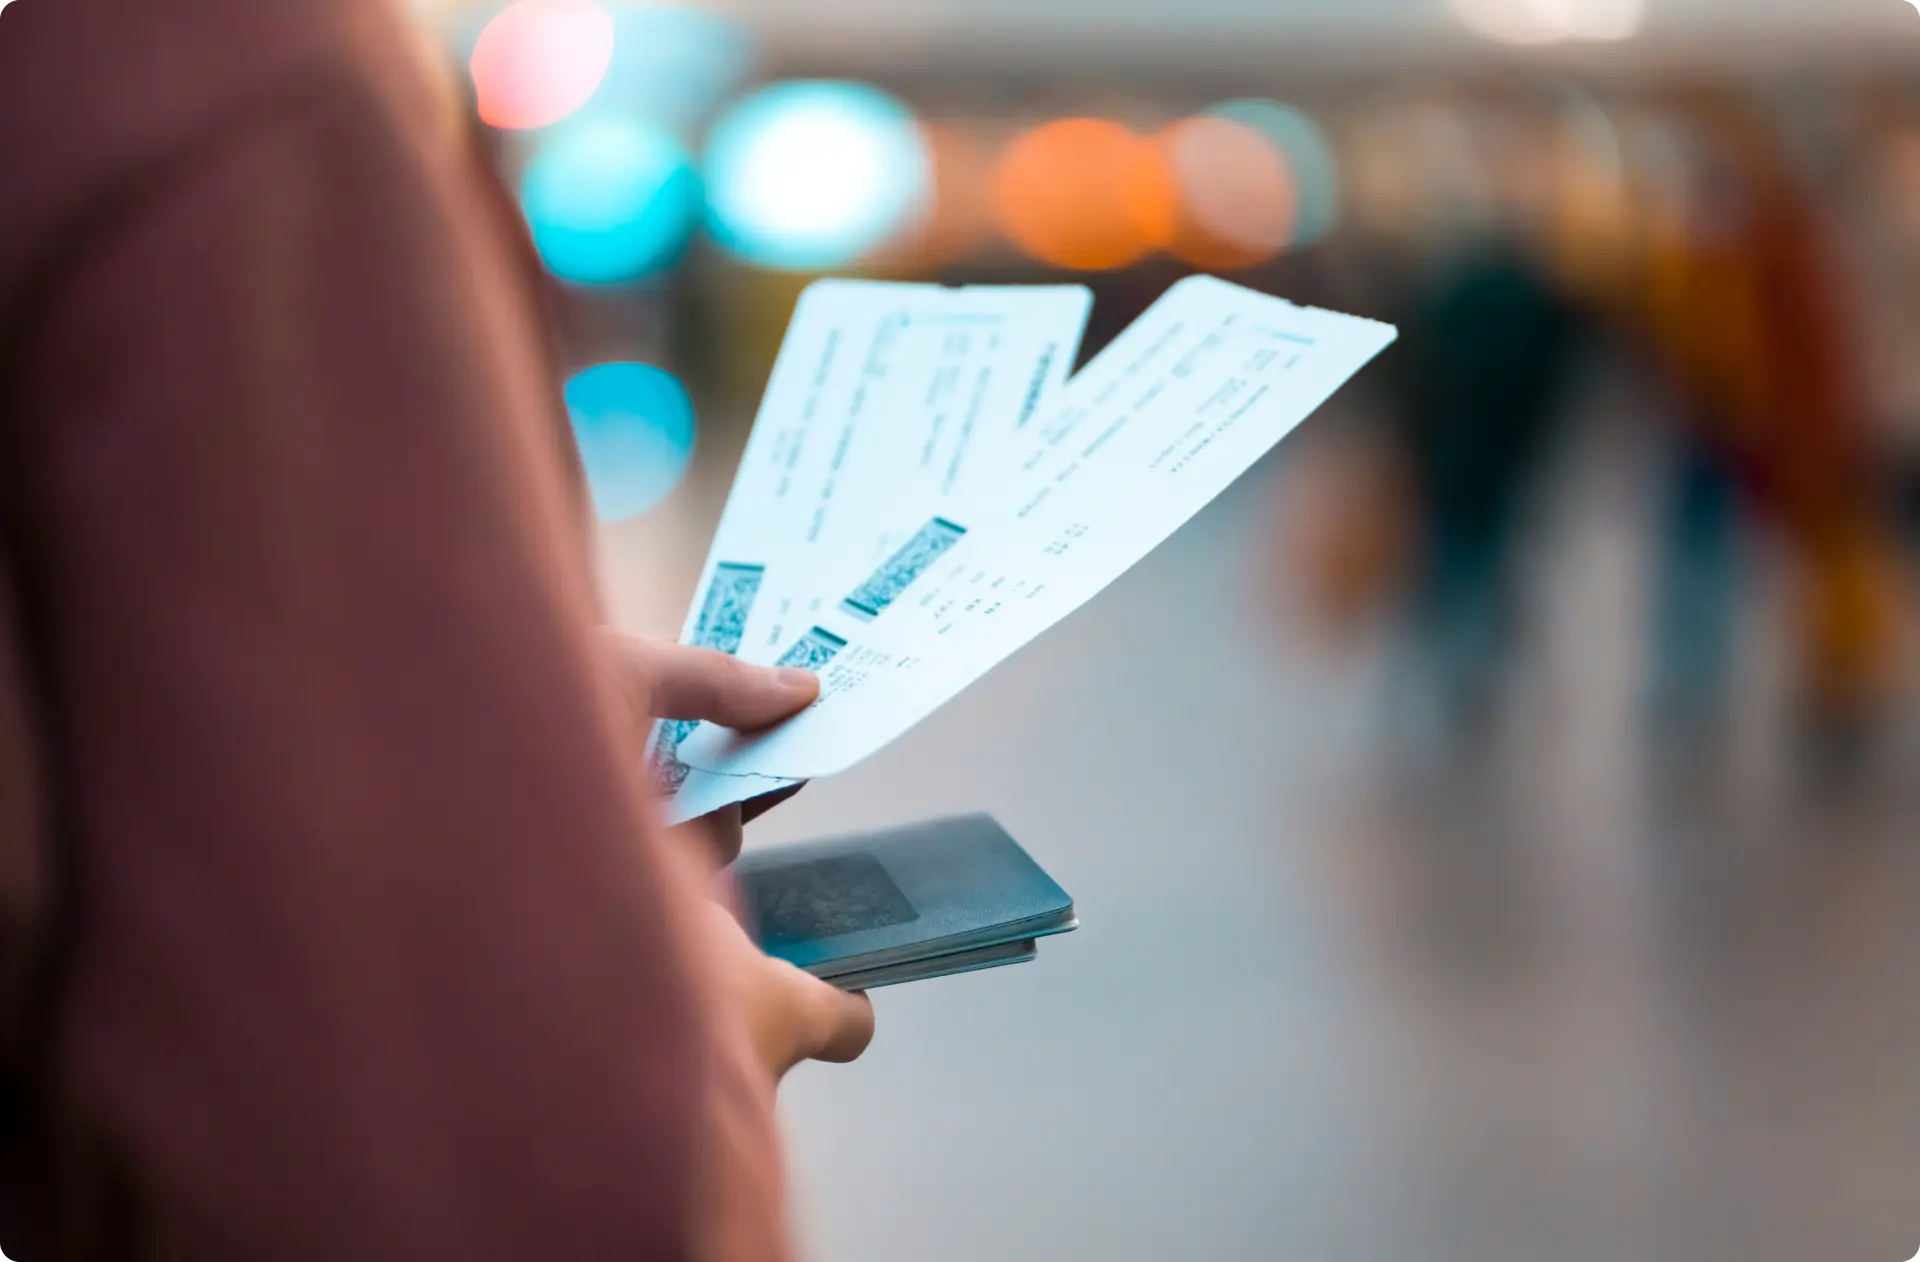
[807, 175]
[1551, 21]
[1602, 19]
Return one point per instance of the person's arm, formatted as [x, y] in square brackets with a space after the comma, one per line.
[380, 954]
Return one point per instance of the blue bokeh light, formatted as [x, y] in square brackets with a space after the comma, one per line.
[672, 63]
[813, 175]
[635, 429]
[610, 200]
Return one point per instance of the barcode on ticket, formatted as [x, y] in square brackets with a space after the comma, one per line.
[813, 650]
[720, 626]
[898, 572]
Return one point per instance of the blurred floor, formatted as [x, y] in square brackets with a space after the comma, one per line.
[1520, 1008]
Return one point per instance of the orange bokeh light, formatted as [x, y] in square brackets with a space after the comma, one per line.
[540, 60]
[1236, 201]
[1087, 194]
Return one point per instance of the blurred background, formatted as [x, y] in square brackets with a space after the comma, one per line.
[1497, 820]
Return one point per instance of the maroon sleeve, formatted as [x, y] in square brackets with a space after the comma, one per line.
[379, 954]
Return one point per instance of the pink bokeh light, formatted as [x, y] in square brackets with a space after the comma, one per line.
[539, 61]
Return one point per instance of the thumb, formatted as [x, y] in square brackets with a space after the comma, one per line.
[842, 1024]
[682, 682]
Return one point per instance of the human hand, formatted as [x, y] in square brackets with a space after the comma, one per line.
[662, 680]
[718, 835]
[790, 1015]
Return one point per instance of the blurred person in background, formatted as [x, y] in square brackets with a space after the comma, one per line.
[337, 921]
[1697, 511]
[1623, 188]
[1692, 234]
[1880, 166]
[1478, 385]
[1741, 305]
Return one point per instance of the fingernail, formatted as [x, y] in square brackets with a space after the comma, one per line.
[795, 679]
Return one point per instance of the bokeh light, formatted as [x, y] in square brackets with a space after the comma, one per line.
[672, 63]
[538, 61]
[1086, 194]
[635, 429]
[1306, 154]
[1600, 19]
[813, 175]
[952, 221]
[610, 200]
[1235, 196]
[1550, 21]
[1511, 21]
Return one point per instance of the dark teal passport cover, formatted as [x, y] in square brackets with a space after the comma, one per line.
[850, 904]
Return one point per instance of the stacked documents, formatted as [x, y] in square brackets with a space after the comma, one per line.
[905, 905]
[925, 491]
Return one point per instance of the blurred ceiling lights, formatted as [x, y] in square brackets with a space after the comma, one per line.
[1304, 151]
[535, 62]
[538, 61]
[811, 175]
[605, 98]
[1086, 194]
[610, 200]
[1223, 190]
[634, 426]
[1552, 21]
[673, 64]
[1236, 200]
[952, 222]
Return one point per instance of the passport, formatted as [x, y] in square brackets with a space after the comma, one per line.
[905, 904]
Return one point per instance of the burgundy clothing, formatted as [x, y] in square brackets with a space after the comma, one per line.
[335, 921]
